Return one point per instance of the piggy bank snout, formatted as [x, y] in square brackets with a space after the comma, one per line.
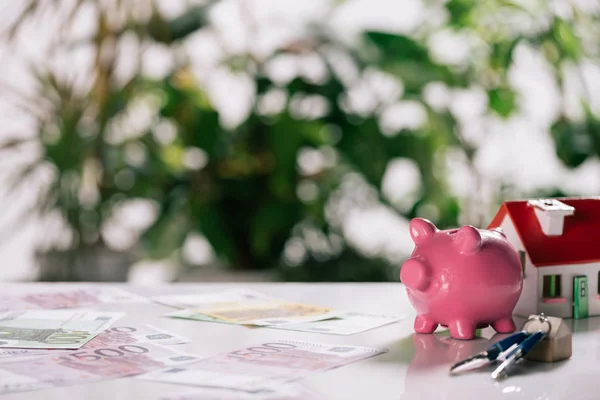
[415, 274]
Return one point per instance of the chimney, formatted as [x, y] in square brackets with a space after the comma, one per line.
[551, 214]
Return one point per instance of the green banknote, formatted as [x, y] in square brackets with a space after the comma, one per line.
[53, 329]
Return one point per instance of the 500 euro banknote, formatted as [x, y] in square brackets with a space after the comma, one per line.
[265, 365]
[118, 335]
[75, 298]
[113, 356]
[290, 391]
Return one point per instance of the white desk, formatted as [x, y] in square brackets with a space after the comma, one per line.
[416, 367]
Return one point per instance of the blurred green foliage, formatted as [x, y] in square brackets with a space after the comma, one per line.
[244, 197]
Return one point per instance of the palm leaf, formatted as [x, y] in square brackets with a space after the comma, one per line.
[13, 144]
[16, 218]
[31, 8]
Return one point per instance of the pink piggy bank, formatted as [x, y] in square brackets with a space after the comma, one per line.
[463, 279]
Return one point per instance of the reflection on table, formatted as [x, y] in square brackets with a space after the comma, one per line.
[428, 376]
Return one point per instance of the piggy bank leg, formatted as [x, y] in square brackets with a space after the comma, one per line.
[424, 324]
[505, 325]
[462, 329]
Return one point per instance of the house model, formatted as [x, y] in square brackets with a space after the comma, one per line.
[558, 241]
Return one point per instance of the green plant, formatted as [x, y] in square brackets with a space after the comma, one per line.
[84, 163]
[268, 192]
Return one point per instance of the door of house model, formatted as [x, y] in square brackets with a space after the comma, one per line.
[580, 297]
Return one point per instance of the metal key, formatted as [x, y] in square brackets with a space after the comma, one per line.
[490, 354]
[518, 353]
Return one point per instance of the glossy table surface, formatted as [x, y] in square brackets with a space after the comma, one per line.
[415, 366]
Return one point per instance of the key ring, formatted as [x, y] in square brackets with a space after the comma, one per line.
[542, 319]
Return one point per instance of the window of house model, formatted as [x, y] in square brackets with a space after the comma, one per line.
[552, 286]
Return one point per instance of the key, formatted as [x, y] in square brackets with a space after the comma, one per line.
[490, 354]
[513, 348]
[517, 354]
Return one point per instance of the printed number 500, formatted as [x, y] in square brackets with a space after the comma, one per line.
[108, 353]
[261, 351]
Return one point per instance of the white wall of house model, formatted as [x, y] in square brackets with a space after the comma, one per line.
[532, 300]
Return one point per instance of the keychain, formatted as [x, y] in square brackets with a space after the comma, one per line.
[557, 346]
[515, 347]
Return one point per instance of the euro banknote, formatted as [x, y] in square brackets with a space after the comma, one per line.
[198, 300]
[265, 365]
[347, 323]
[116, 335]
[76, 298]
[290, 391]
[139, 334]
[244, 307]
[53, 329]
[88, 365]
[344, 323]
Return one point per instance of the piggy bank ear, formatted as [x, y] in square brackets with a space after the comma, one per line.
[421, 229]
[467, 239]
[414, 274]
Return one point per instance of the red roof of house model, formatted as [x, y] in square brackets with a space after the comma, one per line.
[579, 242]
